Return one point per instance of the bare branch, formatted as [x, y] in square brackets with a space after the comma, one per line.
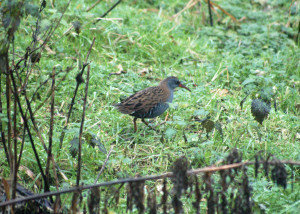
[73, 98]
[210, 169]
[110, 9]
[28, 131]
[104, 164]
[209, 11]
[51, 127]
[4, 70]
[94, 5]
[82, 124]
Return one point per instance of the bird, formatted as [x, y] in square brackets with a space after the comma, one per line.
[150, 102]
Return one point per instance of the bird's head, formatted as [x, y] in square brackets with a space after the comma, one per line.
[173, 82]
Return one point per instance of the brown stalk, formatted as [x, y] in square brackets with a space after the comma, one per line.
[22, 146]
[13, 167]
[49, 157]
[52, 31]
[12, 157]
[16, 96]
[81, 125]
[189, 5]
[54, 172]
[9, 128]
[15, 155]
[164, 197]
[33, 43]
[73, 98]
[224, 11]
[35, 127]
[108, 11]
[31, 114]
[49, 94]
[209, 11]
[94, 5]
[104, 164]
[4, 70]
[33, 121]
[1, 128]
[211, 5]
[31, 49]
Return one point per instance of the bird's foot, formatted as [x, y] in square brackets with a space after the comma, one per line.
[147, 124]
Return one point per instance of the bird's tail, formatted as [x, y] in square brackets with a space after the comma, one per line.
[121, 108]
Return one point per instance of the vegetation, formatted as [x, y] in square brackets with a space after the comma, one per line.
[248, 61]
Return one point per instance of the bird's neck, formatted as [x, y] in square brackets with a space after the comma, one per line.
[170, 99]
[167, 91]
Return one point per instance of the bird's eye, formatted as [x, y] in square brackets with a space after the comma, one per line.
[177, 82]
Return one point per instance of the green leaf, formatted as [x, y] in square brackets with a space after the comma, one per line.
[93, 140]
[200, 112]
[74, 147]
[170, 133]
[247, 81]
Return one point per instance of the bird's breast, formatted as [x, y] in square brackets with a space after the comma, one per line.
[170, 98]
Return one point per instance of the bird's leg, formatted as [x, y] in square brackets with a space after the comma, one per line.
[143, 120]
[134, 123]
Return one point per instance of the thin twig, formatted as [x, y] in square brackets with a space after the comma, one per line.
[82, 124]
[31, 115]
[52, 31]
[22, 146]
[210, 169]
[224, 11]
[29, 56]
[54, 172]
[15, 141]
[88, 54]
[51, 126]
[297, 37]
[94, 5]
[30, 49]
[4, 67]
[28, 131]
[110, 9]
[190, 4]
[159, 124]
[73, 99]
[35, 127]
[209, 11]
[32, 45]
[49, 94]
[43, 83]
[9, 126]
[104, 164]
[15, 155]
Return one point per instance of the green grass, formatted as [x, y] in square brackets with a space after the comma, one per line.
[222, 58]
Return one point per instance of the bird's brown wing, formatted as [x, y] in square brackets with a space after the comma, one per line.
[143, 101]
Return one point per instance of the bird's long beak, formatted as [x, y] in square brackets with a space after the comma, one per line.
[183, 86]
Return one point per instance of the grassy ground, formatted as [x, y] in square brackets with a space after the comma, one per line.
[220, 64]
